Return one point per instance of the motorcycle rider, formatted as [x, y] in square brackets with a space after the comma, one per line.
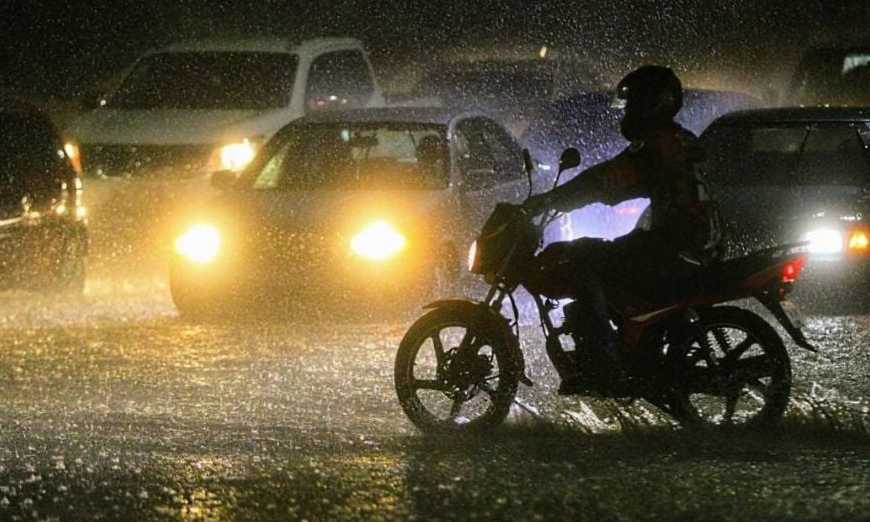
[663, 162]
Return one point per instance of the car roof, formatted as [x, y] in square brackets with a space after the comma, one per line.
[430, 115]
[262, 44]
[796, 115]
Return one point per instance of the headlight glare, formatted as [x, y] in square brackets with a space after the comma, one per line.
[378, 241]
[824, 241]
[236, 156]
[201, 243]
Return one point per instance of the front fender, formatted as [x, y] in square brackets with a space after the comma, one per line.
[484, 313]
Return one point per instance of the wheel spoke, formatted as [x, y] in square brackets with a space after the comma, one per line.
[438, 345]
[736, 352]
[752, 368]
[730, 407]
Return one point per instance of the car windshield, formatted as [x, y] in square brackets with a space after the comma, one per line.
[829, 154]
[208, 80]
[358, 156]
[29, 154]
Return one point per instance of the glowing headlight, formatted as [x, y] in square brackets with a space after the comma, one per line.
[236, 156]
[201, 243]
[378, 241]
[824, 241]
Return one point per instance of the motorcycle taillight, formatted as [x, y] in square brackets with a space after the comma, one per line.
[792, 270]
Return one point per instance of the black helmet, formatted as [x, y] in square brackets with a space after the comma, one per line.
[651, 92]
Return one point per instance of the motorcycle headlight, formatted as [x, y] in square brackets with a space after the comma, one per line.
[824, 241]
[236, 156]
[200, 244]
[378, 241]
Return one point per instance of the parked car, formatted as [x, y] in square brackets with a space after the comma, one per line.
[43, 233]
[512, 91]
[832, 75]
[799, 174]
[201, 106]
[588, 122]
[357, 208]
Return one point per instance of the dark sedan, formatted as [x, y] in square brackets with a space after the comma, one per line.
[43, 235]
[356, 208]
[799, 174]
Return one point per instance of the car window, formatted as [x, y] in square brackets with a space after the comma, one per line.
[339, 79]
[208, 80]
[822, 154]
[363, 156]
[506, 154]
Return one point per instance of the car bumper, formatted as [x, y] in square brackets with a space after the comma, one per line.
[346, 278]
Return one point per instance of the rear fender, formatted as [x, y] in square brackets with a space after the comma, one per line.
[775, 307]
[498, 322]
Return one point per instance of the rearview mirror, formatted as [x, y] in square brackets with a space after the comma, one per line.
[223, 179]
[569, 159]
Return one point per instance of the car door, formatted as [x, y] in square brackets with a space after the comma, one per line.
[490, 169]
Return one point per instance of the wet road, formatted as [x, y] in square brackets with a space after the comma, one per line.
[116, 409]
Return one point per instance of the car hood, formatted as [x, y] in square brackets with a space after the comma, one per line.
[172, 127]
[758, 217]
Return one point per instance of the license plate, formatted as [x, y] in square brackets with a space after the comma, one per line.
[793, 313]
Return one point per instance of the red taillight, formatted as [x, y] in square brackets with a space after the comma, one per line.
[792, 269]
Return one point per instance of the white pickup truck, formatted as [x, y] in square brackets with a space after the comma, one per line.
[201, 106]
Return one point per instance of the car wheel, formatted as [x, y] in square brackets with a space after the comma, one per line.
[69, 272]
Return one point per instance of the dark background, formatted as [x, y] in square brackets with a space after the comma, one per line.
[58, 50]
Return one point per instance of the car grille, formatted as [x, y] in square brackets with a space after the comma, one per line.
[128, 160]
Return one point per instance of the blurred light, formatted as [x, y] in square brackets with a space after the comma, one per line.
[543, 51]
[472, 255]
[201, 243]
[378, 241]
[236, 156]
[81, 211]
[859, 240]
[72, 152]
[824, 241]
[60, 209]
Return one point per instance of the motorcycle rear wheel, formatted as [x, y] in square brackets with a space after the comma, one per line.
[453, 373]
[747, 381]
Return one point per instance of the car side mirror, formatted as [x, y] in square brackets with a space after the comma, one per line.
[569, 159]
[223, 179]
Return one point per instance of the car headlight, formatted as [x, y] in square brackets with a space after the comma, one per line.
[824, 241]
[378, 241]
[236, 156]
[201, 243]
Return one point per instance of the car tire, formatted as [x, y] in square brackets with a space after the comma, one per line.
[69, 273]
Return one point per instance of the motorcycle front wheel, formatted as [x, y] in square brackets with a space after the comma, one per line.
[734, 372]
[453, 372]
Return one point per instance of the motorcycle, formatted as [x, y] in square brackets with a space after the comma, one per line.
[697, 357]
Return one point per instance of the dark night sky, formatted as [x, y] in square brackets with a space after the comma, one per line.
[52, 49]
